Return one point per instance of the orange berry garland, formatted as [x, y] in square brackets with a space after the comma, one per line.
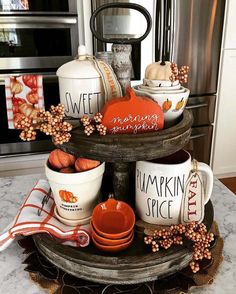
[179, 74]
[49, 122]
[177, 234]
[90, 125]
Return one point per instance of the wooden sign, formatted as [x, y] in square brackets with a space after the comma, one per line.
[132, 114]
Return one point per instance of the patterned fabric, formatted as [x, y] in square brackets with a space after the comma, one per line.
[36, 215]
[24, 96]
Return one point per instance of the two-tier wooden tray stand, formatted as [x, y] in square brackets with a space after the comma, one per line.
[136, 264]
[122, 151]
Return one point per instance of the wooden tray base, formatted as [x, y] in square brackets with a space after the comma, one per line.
[135, 265]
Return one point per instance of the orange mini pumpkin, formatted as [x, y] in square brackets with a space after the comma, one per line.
[83, 164]
[59, 159]
[67, 170]
[132, 114]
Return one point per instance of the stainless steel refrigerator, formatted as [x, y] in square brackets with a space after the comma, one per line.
[193, 37]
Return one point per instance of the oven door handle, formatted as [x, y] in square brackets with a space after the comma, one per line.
[45, 76]
[37, 20]
[192, 137]
[196, 106]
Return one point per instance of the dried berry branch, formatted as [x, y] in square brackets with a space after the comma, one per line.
[49, 122]
[178, 234]
[90, 125]
[179, 74]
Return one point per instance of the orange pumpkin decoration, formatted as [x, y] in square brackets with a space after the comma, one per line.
[166, 105]
[67, 196]
[83, 164]
[28, 110]
[32, 96]
[180, 104]
[67, 170]
[132, 114]
[59, 159]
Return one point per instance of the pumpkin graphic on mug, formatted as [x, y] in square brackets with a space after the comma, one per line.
[67, 196]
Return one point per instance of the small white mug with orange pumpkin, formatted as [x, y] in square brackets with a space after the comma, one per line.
[75, 184]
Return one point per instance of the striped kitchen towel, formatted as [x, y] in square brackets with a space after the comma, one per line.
[36, 215]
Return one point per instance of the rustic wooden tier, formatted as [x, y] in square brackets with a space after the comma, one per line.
[131, 147]
[121, 150]
[133, 266]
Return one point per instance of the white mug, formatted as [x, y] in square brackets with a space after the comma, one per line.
[160, 186]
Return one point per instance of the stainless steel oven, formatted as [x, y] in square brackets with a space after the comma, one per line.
[52, 7]
[10, 143]
[37, 42]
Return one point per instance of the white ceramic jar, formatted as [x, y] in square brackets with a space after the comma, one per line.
[80, 85]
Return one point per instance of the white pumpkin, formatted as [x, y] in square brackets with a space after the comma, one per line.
[156, 71]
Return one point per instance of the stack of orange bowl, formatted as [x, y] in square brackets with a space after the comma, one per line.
[112, 225]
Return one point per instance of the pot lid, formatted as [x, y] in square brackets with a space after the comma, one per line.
[81, 68]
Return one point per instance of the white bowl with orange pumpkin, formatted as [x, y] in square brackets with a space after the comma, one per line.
[75, 184]
[172, 103]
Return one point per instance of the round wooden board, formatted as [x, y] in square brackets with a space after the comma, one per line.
[135, 265]
[130, 147]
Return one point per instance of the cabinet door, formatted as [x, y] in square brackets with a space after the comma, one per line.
[230, 36]
[224, 159]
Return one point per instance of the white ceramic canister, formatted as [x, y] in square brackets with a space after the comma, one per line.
[81, 87]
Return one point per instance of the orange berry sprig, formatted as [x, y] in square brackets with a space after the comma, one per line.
[90, 125]
[28, 133]
[177, 234]
[49, 122]
[179, 74]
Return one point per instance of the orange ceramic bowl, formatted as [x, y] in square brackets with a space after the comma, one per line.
[113, 219]
[114, 248]
[110, 242]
